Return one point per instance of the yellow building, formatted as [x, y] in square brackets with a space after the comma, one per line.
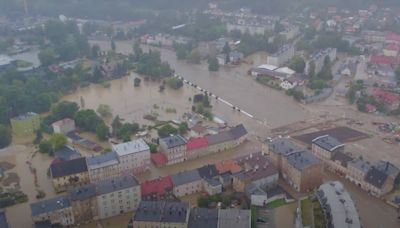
[68, 174]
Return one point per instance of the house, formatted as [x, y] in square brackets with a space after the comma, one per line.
[338, 205]
[235, 57]
[283, 55]
[157, 189]
[227, 166]
[64, 126]
[26, 124]
[57, 211]
[382, 59]
[212, 186]
[197, 130]
[357, 170]
[325, 146]
[133, 156]
[390, 100]
[281, 147]
[370, 108]
[103, 166]
[66, 153]
[226, 140]
[302, 170]
[83, 202]
[203, 217]
[161, 214]
[69, 174]
[174, 147]
[391, 37]
[186, 183]
[391, 50]
[339, 163]
[117, 196]
[291, 32]
[258, 197]
[196, 147]
[234, 218]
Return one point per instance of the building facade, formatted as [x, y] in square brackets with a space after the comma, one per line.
[103, 167]
[69, 174]
[174, 147]
[57, 211]
[186, 183]
[63, 126]
[283, 55]
[134, 156]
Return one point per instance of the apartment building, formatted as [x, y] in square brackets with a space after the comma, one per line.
[324, 147]
[318, 59]
[186, 183]
[282, 56]
[174, 147]
[83, 203]
[56, 211]
[133, 156]
[103, 167]
[68, 174]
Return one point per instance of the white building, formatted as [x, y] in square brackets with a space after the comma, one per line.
[64, 126]
[318, 59]
[103, 167]
[134, 156]
[283, 55]
[291, 32]
[117, 196]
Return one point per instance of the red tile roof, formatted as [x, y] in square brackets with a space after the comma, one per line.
[381, 59]
[196, 143]
[157, 186]
[198, 128]
[392, 47]
[159, 158]
[227, 165]
[386, 96]
[391, 36]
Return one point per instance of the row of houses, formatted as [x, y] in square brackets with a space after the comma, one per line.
[180, 215]
[126, 158]
[177, 149]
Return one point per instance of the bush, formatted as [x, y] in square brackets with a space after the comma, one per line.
[175, 83]
[167, 130]
[5, 136]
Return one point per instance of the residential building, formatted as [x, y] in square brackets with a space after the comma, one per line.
[339, 163]
[66, 153]
[338, 206]
[283, 55]
[84, 204]
[382, 60]
[234, 218]
[64, 126]
[390, 100]
[161, 214]
[3, 219]
[69, 174]
[117, 196]
[258, 197]
[174, 147]
[203, 218]
[251, 29]
[57, 211]
[212, 186]
[157, 189]
[186, 183]
[373, 36]
[391, 50]
[280, 147]
[291, 32]
[227, 139]
[197, 130]
[318, 59]
[26, 124]
[230, 166]
[302, 170]
[196, 147]
[380, 178]
[325, 146]
[133, 156]
[103, 167]
[357, 171]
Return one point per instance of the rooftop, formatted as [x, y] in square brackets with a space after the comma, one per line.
[159, 158]
[387, 167]
[328, 143]
[67, 153]
[162, 211]
[234, 218]
[82, 192]
[63, 122]
[283, 146]
[157, 186]
[174, 141]
[343, 158]
[67, 168]
[203, 217]
[116, 184]
[208, 171]
[185, 177]
[302, 159]
[196, 143]
[238, 131]
[360, 165]
[131, 147]
[339, 204]
[49, 205]
[102, 160]
[376, 177]
[227, 165]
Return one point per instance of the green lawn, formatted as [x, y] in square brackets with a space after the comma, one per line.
[319, 220]
[306, 212]
[276, 203]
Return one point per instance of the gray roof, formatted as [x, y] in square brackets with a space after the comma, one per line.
[360, 165]
[238, 131]
[203, 218]
[213, 182]
[328, 143]
[208, 171]
[219, 138]
[303, 159]
[67, 153]
[376, 177]
[343, 158]
[234, 218]
[49, 205]
[185, 177]
[67, 168]
[116, 184]
[284, 146]
[388, 168]
[162, 211]
[338, 203]
[102, 160]
[82, 192]
[174, 141]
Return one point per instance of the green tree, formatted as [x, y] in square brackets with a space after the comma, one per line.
[194, 57]
[136, 82]
[213, 64]
[87, 120]
[47, 57]
[64, 109]
[167, 130]
[116, 125]
[104, 110]
[183, 128]
[175, 83]
[398, 73]
[102, 132]
[5, 136]
[298, 64]
[45, 147]
[95, 51]
[57, 141]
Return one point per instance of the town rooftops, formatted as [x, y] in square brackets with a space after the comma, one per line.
[49, 205]
[67, 153]
[102, 160]
[197, 143]
[82, 192]
[392, 47]
[213, 182]
[391, 36]
[284, 146]
[282, 49]
[227, 166]
[360, 165]
[322, 54]
[381, 59]
[328, 143]
[203, 218]
[343, 158]
[67, 168]
[234, 218]
[116, 184]
[25, 116]
[302, 159]
[63, 122]
[131, 147]
[157, 186]
[162, 211]
[208, 171]
[388, 168]
[339, 204]
[221, 137]
[185, 177]
[376, 177]
[174, 141]
[238, 131]
[385, 96]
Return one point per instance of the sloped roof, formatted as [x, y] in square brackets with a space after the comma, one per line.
[196, 143]
[185, 177]
[67, 168]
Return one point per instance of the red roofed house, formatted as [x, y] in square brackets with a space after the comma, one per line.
[381, 59]
[390, 100]
[227, 166]
[159, 159]
[392, 37]
[157, 189]
[391, 50]
[196, 147]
